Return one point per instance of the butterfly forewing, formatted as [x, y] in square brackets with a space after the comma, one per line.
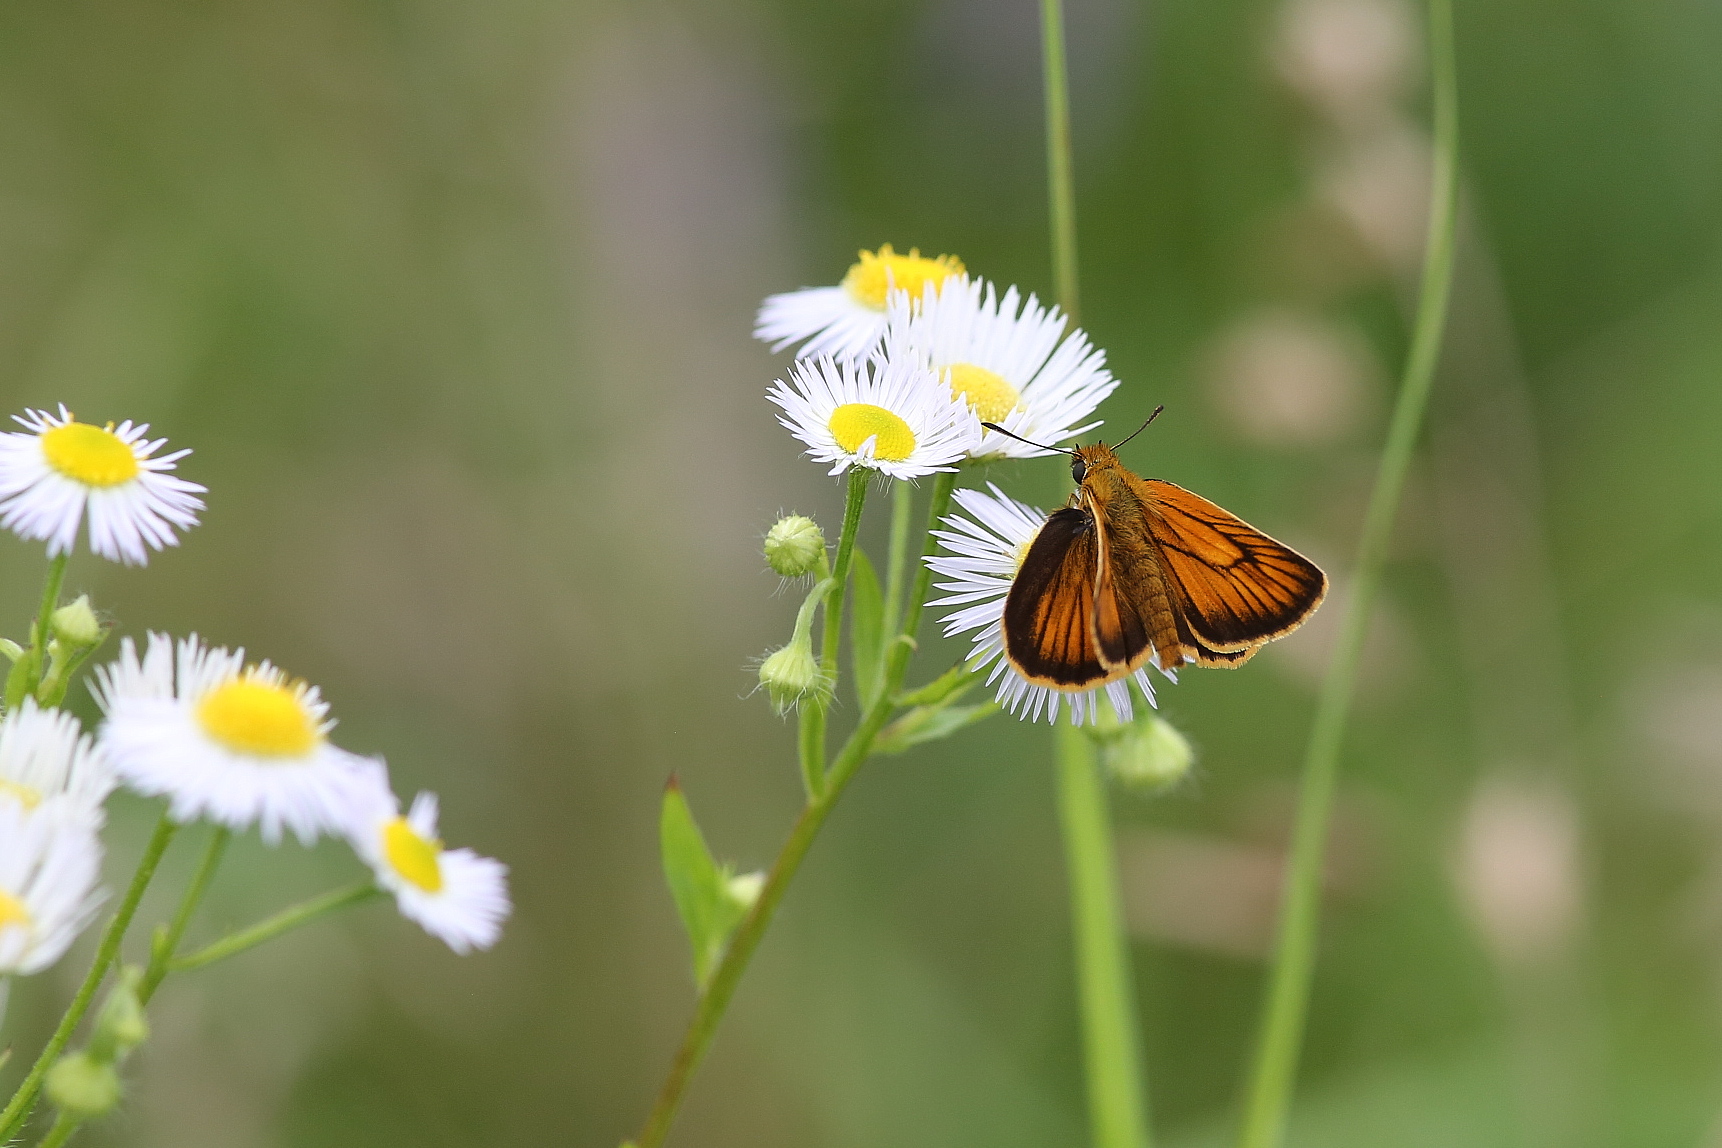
[1236, 587]
[1048, 614]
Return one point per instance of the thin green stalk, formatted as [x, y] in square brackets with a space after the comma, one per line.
[167, 943]
[1117, 1108]
[1060, 181]
[23, 1100]
[1287, 999]
[810, 742]
[714, 1001]
[1117, 1098]
[271, 927]
[812, 732]
[61, 1132]
[902, 511]
[27, 674]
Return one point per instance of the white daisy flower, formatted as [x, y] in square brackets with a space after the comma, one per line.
[846, 321]
[45, 754]
[241, 745]
[1004, 357]
[458, 896]
[49, 475]
[49, 862]
[895, 417]
[985, 553]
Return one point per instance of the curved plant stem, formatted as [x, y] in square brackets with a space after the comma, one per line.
[61, 1132]
[1117, 1108]
[713, 1002]
[167, 943]
[271, 927]
[18, 1109]
[1294, 956]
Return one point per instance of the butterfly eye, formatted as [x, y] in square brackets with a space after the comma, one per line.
[1078, 468]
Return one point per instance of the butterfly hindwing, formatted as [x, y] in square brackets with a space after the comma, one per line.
[1236, 587]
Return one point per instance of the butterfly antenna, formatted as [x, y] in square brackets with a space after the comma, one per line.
[1144, 426]
[1019, 438]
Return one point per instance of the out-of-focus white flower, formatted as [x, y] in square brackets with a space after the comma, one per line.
[56, 468]
[50, 858]
[458, 896]
[846, 321]
[241, 745]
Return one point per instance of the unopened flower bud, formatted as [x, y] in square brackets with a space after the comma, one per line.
[76, 624]
[794, 546]
[1152, 755]
[121, 1026]
[84, 1087]
[791, 674]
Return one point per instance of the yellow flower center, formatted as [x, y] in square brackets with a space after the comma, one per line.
[854, 423]
[870, 280]
[91, 455]
[988, 395]
[1022, 554]
[21, 793]
[258, 717]
[13, 912]
[415, 859]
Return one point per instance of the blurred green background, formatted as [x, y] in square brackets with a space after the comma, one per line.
[452, 301]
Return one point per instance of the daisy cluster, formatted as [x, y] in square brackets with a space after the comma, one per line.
[241, 745]
[899, 367]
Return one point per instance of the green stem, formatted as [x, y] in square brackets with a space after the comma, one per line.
[714, 1001]
[1287, 999]
[27, 674]
[167, 943]
[61, 1132]
[1060, 182]
[271, 927]
[1117, 1098]
[812, 734]
[18, 1109]
[1117, 1108]
[902, 511]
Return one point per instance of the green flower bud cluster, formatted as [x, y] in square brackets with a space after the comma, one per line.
[86, 1084]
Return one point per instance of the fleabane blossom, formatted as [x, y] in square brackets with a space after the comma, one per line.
[456, 895]
[846, 321]
[986, 549]
[56, 469]
[1004, 357]
[896, 417]
[46, 755]
[239, 744]
[50, 859]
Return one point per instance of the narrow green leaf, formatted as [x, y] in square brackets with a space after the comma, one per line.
[696, 882]
[943, 689]
[930, 723]
[867, 629]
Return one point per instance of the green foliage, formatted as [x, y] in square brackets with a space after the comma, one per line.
[866, 629]
[704, 897]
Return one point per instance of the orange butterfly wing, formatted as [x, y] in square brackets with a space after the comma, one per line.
[1236, 587]
[1048, 614]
